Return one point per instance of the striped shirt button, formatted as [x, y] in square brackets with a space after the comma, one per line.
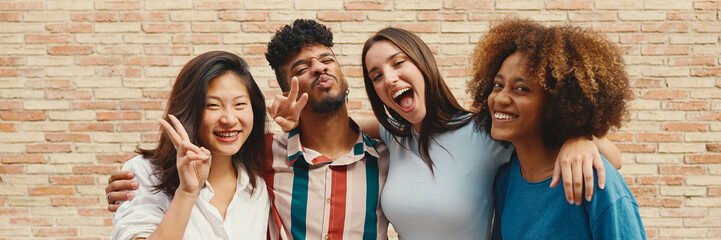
[327, 200]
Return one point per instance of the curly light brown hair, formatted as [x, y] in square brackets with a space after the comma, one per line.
[582, 73]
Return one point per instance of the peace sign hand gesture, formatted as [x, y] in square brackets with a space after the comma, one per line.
[192, 162]
[285, 111]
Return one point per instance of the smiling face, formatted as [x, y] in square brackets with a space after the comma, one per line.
[319, 75]
[228, 115]
[397, 81]
[516, 103]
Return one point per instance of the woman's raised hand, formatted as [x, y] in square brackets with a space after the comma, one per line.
[193, 162]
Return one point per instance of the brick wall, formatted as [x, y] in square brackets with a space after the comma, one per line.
[83, 82]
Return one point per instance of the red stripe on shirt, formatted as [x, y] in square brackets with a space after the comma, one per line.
[321, 159]
[269, 177]
[337, 206]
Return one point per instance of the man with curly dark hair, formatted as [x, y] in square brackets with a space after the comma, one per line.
[326, 174]
[535, 87]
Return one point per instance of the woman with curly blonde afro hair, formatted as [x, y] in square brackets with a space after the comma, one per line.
[536, 87]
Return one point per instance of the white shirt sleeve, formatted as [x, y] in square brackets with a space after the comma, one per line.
[139, 217]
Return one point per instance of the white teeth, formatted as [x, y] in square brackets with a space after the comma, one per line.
[503, 116]
[227, 134]
[400, 92]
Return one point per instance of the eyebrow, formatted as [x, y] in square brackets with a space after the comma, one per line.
[296, 63]
[518, 79]
[387, 59]
[218, 98]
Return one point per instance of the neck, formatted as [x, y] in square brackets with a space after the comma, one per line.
[536, 160]
[329, 134]
[221, 167]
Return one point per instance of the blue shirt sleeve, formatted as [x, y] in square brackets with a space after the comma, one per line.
[619, 220]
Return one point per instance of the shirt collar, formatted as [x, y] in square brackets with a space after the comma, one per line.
[363, 145]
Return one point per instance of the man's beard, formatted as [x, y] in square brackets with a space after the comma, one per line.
[329, 104]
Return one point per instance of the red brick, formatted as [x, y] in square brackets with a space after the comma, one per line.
[644, 191]
[707, 5]
[678, 27]
[620, 137]
[708, 27]
[48, 148]
[687, 106]
[32, 221]
[148, 16]
[218, 5]
[148, 61]
[569, 5]
[616, 27]
[341, 16]
[95, 17]
[54, 232]
[686, 127]
[694, 61]
[684, 212]
[658, 202]
[646, 38]
[703, 159]
[72, 201]
[137, 127]
[72, 180]
[25, 158]
[713, 147]
[156, 94]
[20, 6]
[150, 137]
[118, 72]
[118, 5]
[636, 148]
[706, 72]
[68, 94]
[24, 115]
[435, 16]
[691, 16]
[256, 61]
[91, 127]
[665, 50]
[660, 180]
[704, 116]
[486, 16]
[6, 169]
[95, 105]
[113, 158]
[47, 38]
[94, 212]
[125, 115]
[70, 50]
[366, 5]
[51, 191]
[164, 27]
[665, 94]
[682, 170]
[8, 72]
[11, 61]
[10, 105]
[67, 137]
[96, 60]
[10, 17]
[69, 27]
[14, 211]
[261, 27]
[168, 50]
[659, 137]
[255, 49]
[243, 16]
[31, 72]
[146, 105]
[714, 191]
[94, 169]
[9, 127]
[458, 72]
[197, 38]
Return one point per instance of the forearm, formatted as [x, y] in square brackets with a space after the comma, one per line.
[610, 151]
[176, 217]
[370, 126]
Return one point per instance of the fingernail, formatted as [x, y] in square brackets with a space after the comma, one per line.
[588, 198]
[602, 185]
[134, 185]
[129, 195]
[570, 201]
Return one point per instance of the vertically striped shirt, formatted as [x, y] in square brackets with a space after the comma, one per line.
[315, 197]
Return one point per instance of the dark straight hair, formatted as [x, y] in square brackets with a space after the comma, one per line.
[187, 103]
[441, 105]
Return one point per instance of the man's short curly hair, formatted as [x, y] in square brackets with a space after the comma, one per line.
[290, 39]
[583, 74]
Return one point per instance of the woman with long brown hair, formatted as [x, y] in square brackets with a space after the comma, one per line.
[203, 180]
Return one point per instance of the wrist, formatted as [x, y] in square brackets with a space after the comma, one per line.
[181, 194]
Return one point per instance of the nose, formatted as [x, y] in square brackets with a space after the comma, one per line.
[228, 118]
[318, 67]
[502, 97]
[390, 77]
